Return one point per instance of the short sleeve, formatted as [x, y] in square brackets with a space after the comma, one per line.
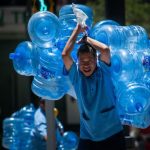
[72, 72]
[106, 68]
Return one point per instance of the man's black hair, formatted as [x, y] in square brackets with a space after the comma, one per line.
[86, 48]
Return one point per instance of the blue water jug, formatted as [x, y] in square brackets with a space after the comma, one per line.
[49, 82]
[25, 58]
[144, 57]
[146, 79]
[68, 22]
[27, 113]
[99, 24]
[59, 131]
[133, 102]
[135, 98]
[139, 120]
[67, 10]
[12, 131]
[117, 37]
[69, 141]
[43, 28]
[126, 66]
[68, 19]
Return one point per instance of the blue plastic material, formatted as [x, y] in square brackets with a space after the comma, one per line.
[68, 19]
[134, 105]
[18, 133]
[68, 22]
[146, 80]
[11, 132]
[128, 37]
[105, 22]
[50, 83]
[124, 64]
[27, 115]
[17, 129]
[67, 9]
[43, 28]
[69, 141]
[135, 98]
[99, 24]
[25, 58]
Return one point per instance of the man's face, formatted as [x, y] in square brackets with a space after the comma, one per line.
[87, 63]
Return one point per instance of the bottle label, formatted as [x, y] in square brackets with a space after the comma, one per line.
[46, 73]
[146, 63]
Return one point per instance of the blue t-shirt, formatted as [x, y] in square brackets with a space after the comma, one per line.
[96, 100]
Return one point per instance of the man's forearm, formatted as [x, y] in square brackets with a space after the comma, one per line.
[102, 48]
[97, 45]
[70, 43]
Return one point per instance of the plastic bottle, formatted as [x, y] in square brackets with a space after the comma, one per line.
[27, 113]
[133, 38]
[12, 133]
[45, 64]
[43, 28]
[59, 131]
[62, 42]
[144, 57]
[146, 79]
[99, 24]
[67, 10]
[135, 98]
[69, 141]
[68, 21]
[140, 120]
[25, 58]
[125, 66]
[49, 83]
[133, 102]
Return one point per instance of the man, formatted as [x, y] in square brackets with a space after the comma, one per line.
[100, 126]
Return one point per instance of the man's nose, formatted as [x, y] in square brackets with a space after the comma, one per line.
[86, 64]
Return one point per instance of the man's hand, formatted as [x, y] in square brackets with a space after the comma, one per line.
[80, 29]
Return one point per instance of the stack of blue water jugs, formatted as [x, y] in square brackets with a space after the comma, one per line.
[68, 22]
[17, 132]
[130, 60]
[17, 129]
[130, 69]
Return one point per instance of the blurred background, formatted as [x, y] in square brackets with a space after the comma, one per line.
[15, 90]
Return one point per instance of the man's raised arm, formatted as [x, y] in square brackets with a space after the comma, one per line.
[66, 53]
[104, 49]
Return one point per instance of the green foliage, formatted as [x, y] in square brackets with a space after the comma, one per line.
[137, 12]
[98, 9]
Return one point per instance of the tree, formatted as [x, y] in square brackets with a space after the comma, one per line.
[98, 10]
[136, 13]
